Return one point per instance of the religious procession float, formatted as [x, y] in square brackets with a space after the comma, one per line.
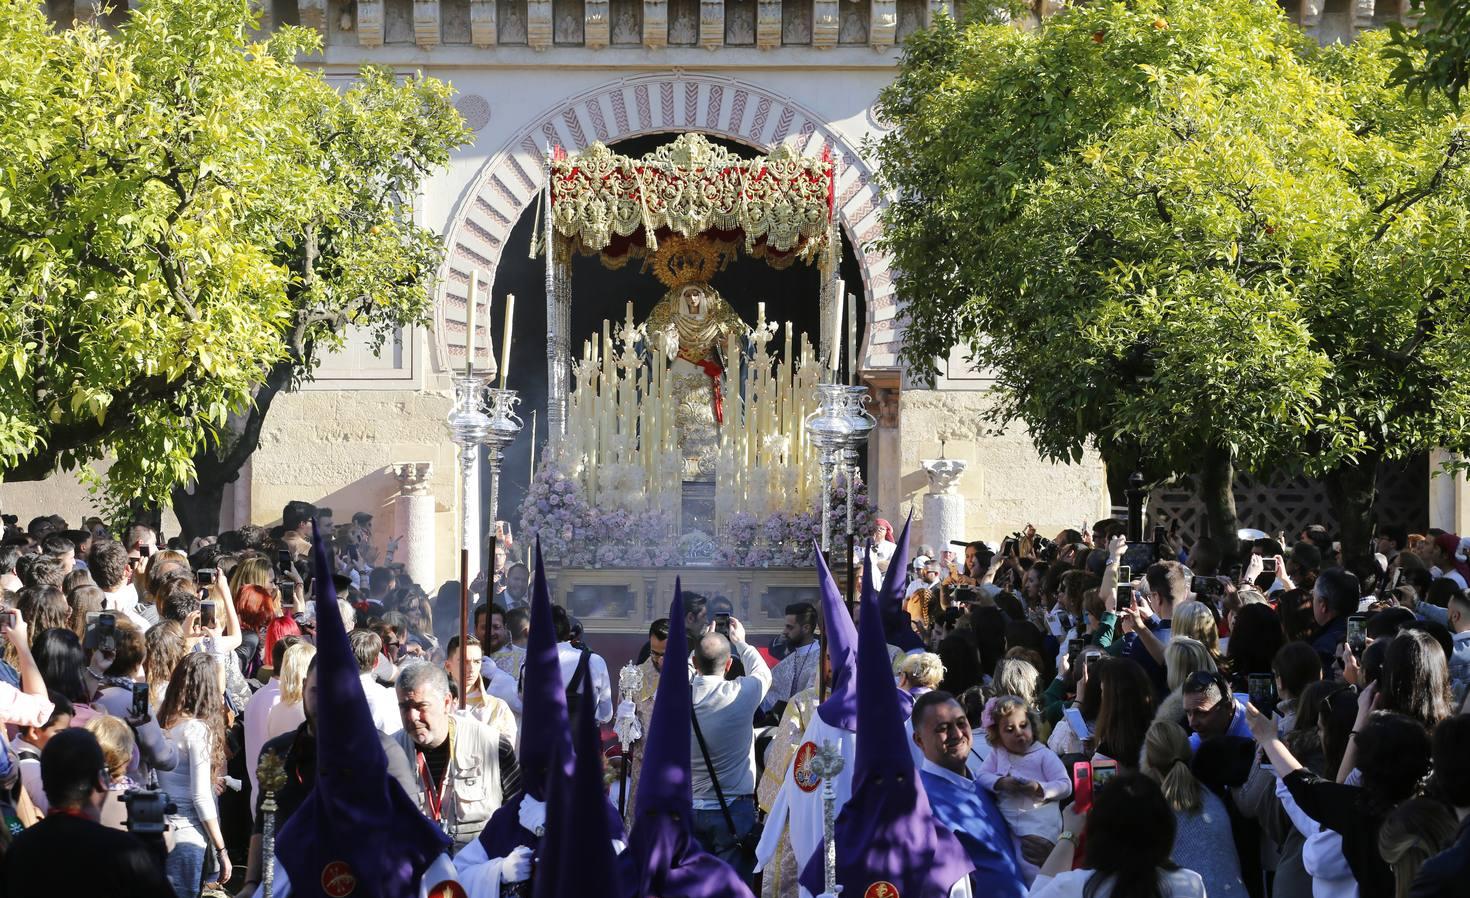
[694, 443]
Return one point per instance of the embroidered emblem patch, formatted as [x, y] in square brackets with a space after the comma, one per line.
[806, 781]
[338, 880]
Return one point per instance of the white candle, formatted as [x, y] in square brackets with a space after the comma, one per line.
[470, 310]
[510, 311]
[834, 351]
[852, 339]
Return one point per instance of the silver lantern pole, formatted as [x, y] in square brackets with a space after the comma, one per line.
[468, 427]
[505, 426]
[827, 763]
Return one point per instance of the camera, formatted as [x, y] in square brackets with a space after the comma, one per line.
[148, 810]
[9, 520]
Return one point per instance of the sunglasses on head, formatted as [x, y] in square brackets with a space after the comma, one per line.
[1201, 680]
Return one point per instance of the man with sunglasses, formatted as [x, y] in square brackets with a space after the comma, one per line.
[1211, 709]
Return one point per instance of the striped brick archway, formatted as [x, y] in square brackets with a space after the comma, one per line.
[658, 103]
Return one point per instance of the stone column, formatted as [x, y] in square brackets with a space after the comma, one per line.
[885, 480]
[413, 521]
[1449, 495]
[944, 507]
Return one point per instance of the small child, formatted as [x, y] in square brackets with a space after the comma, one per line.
[1028, 779]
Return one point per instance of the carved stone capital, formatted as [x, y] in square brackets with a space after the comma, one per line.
[655, 23]
[538, 24]
[944, 475]
[826, 22]
[768, 24]
[483, 25]
[882, 24]
[426, 28]
[596, 24]
[712, 24]
[370, 23]
[413, 478]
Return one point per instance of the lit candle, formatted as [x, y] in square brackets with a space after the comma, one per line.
[852, 339]
[510, 312]
[471, 310]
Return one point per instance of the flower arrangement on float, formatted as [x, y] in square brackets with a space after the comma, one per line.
[576, 534]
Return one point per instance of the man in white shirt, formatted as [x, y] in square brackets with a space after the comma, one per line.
[569, 656]
[367, 646]
[109, 564]
[723, 710]
[926, 574]
[798, 670]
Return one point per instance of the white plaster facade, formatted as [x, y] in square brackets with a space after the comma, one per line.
[569, 72]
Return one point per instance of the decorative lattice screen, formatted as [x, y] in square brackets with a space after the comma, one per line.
[1290, 504]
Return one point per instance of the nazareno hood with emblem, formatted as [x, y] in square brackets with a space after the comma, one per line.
[357, 833]
[887, 824]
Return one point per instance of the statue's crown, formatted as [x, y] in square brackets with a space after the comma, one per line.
[681, 260]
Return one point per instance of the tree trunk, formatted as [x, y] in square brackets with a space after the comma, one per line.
[199, 511]
[1352, 491]
[1217, 491]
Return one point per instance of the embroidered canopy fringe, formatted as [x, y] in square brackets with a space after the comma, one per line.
[778, 205]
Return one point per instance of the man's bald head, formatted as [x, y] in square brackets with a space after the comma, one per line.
[712, 654]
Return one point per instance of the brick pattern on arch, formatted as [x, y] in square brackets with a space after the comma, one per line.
[716, 105]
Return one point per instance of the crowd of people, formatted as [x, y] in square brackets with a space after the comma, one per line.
[1087, 715]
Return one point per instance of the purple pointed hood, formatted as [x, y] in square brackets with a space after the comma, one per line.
[663, 858]
[898, 627]
[356, 827]
[577, 858]
[545, 732]
[887, 824]
[840, 708]
[546, 743]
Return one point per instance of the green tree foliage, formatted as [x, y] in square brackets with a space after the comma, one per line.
[1433, 52]
[186, 217]
[1176, 230]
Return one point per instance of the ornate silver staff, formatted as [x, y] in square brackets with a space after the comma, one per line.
[827, 763]
[630, 684]
[272, 776]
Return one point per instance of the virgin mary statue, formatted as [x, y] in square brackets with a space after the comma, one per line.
[697, 322]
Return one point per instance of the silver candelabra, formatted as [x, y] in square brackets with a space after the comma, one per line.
[860, 427]
[468, 427]
[503, 429]
[828, 428]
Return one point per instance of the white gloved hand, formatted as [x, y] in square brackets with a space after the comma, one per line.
[626, 709]
[533, 814]
[516, 866]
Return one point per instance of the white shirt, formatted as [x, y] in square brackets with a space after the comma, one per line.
[569, 656]
[501, 685]
[1322, 855]
[257, 711]
[1179, 883]
[125, 599]
[383, 703]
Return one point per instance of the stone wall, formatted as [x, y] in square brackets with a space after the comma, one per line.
[338, 447]
[1006, 485]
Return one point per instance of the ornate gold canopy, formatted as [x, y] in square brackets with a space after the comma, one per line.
[779, 206]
